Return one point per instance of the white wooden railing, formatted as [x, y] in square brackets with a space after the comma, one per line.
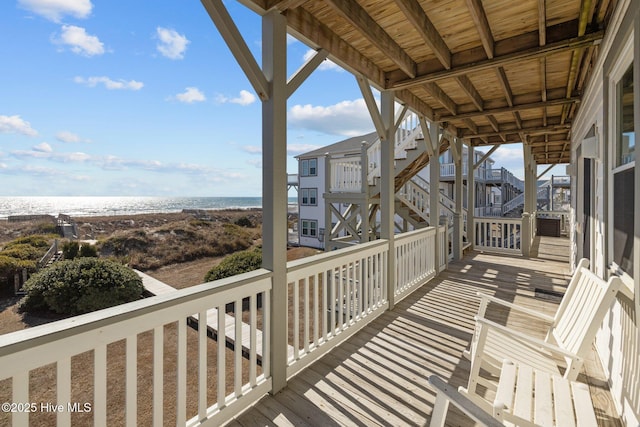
[56, 343]
[415, 260]
[335, 294]
[416, 197]
[331, 296]
[498, 234]
[346, 174]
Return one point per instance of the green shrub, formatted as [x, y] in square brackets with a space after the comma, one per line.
[81, 286]
[243, 221]
[70, 250]
[36, 241]
[237, 263]
[23, 251]
[87, 250]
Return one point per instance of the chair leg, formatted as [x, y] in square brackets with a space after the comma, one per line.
[440, 408]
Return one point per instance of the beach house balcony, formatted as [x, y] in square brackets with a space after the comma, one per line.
[351, 336]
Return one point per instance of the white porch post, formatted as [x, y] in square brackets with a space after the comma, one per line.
[274, 182]
[364, 208]
[471, 194]
[387, 188]
[433, 148]
[458, 218]
[525, 240]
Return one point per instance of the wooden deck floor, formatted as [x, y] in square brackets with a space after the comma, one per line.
[378, 377]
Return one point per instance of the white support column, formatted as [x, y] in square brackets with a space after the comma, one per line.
[433, 148]
[387, 188]
[274, 182]
[525, 241]
[328, 223]
[458, 218]
[364, 207]
[471, 194]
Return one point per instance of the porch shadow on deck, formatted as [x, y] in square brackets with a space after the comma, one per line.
[379, 376]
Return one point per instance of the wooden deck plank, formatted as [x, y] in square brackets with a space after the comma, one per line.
[379, 376]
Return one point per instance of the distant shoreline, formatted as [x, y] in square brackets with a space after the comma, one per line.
[119, 206]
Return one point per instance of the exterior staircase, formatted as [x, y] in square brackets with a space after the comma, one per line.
[412, 192]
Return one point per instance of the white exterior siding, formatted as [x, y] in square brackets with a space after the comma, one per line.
[618, 340]
[309, 212]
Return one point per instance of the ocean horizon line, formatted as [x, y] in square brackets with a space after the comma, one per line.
[121, 205]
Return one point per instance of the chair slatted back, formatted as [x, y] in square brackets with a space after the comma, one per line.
[583, 311]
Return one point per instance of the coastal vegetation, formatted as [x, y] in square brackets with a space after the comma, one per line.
[80, 286]
[21, 254]
[237, 263]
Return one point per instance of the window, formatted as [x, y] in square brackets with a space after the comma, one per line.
[309, 196]
[309, 228]
[309, 167]
[623, 175]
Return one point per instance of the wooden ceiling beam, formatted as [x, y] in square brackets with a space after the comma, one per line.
[434, 90]
[308, 28]
[496, 126]
[423, 25]
[516, 107]
[533, 130]
[468, 88]
[353, 13]
[542, 21]
[482, 24]
[283, 5]
[394, 82]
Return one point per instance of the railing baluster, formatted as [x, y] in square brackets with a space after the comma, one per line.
[332, 279]
[158, 375]
[131, 405]
[100, 385]
[253, 326]
[306, 314]
[20, 389]
[325, 308]
[64, 390]
[316, 302]
[296, 319]
[266, 333]
[202, 364]
[237, 348]
[181, 369]
[222, 344]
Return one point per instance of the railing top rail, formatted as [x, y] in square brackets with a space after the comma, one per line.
[411, 234]
[302, 263]
[498, 220]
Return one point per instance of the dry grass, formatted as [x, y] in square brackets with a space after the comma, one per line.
[180, 275]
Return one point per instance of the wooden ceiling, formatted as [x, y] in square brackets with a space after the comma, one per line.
[490, 71]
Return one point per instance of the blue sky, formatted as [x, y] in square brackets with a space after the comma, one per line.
[104, 98]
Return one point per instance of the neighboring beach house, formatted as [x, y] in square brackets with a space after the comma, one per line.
[331, 174]
[369, 323]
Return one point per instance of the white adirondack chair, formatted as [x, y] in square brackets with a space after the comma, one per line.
[569, 337]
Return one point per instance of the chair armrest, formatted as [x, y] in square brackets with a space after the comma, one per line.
[462, 402]
[526, 338]
[520, 308]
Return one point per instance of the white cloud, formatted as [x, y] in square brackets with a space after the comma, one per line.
[292, 149]
[69, 137]
[346, 118]
[327, 64]
[43, 148]
[191, 95]
[295, 149]
[252, 149]
[54, 10]
[110, 84]
[257, 163]
[79, 41]
[15, 124]
[245, 98]
[172, 45]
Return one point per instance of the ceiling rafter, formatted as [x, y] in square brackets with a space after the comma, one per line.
[532, 130]
[369, 28]
[482, 24]
[434, 90]
[471, 91]
[501, 60]
[423, 25]
[308, 27]
[283, 5]
[516, 107]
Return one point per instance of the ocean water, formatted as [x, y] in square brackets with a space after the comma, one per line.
[99, 206]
